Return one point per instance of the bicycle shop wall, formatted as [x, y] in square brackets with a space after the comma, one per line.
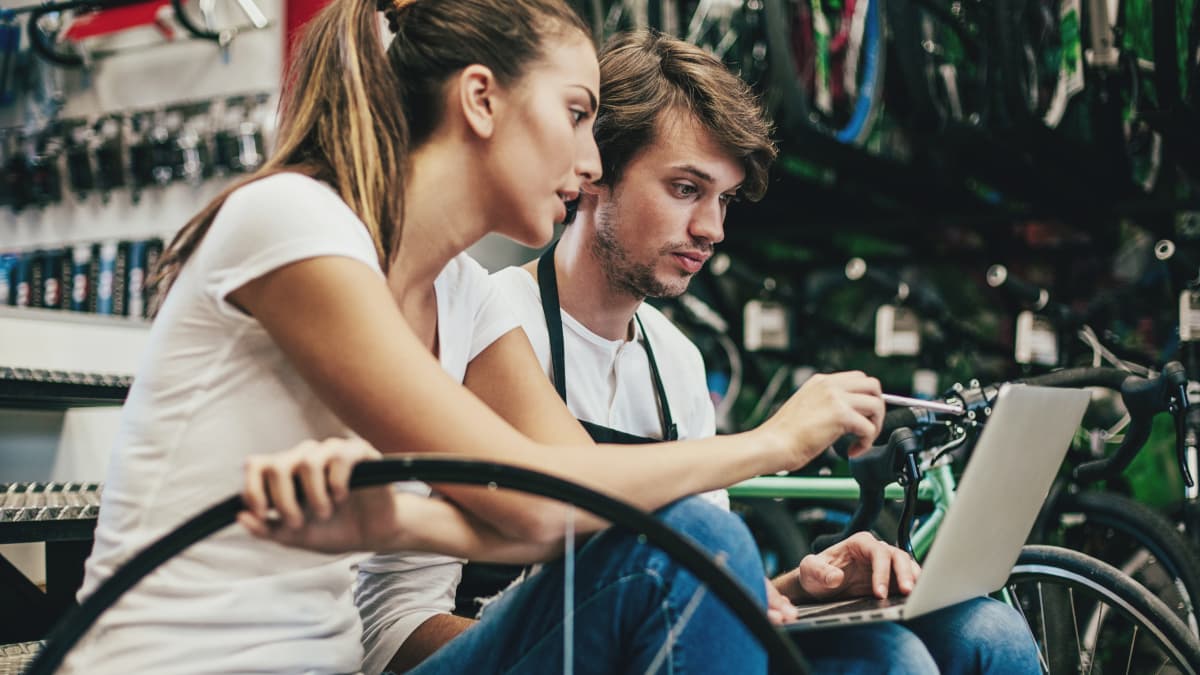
[74, 445]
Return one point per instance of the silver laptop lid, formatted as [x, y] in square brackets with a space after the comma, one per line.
[1001, 491]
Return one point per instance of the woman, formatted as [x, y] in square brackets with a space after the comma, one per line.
[279, 324]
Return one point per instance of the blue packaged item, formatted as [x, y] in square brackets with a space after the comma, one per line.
[106, 259]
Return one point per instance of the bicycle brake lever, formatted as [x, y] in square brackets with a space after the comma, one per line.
[1178, 408]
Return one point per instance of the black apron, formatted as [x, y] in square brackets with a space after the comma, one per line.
[548, 284]
[483, 580]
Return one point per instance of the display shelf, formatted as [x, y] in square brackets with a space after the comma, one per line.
[33, 512]
[40, 389]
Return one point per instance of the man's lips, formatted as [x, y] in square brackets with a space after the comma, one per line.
[691, 261]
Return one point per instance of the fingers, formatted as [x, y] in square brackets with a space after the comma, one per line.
[881, 569]
[321, 470]
[780, 609]
[254, 524]
[281, 491]
[904, 569]
[253, 494]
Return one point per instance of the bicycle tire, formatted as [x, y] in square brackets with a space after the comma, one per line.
[1137, 540]
[1054, 588]
[788, 82]
[782, 652]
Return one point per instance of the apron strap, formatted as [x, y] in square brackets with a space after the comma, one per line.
[552, 311]
[548, 286]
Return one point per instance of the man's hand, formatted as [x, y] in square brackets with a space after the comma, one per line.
[780, 610]
[826, 408]
[858, 566]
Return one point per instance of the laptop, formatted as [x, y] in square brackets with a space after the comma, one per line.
[994, 508]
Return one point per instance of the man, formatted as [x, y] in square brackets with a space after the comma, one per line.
[680, 137]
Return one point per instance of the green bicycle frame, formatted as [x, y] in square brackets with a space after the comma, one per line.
[937, 487]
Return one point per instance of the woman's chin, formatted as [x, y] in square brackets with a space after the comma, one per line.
[533, 236]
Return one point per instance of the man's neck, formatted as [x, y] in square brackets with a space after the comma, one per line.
[587, 294]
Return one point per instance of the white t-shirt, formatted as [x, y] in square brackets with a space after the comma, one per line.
[608, 381]
[398, 592]
[212, 388]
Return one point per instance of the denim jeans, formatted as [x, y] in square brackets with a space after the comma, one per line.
[976, 636]
[629, 597]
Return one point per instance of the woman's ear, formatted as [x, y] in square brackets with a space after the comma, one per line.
[479, 98]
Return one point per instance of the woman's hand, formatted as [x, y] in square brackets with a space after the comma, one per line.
[301, 497]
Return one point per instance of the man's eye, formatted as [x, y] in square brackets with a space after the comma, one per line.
[685, 190]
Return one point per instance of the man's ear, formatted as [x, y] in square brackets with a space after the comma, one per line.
[479, 98]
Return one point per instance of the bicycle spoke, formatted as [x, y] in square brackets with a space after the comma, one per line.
[1042, 614]
[1074, 621]
[1132, 643]
[1095, 639]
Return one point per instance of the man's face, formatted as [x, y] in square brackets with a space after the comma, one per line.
[657, 226]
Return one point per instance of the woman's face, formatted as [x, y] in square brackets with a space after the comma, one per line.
[543, 148]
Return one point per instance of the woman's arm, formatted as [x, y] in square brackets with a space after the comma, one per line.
[337, 520]
[337, 322]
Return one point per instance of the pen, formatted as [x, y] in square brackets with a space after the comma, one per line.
[935, 406]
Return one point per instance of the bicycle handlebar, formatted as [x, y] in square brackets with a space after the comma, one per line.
[1020, 290]
[1144, 398]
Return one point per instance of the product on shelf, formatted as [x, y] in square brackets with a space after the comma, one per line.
[100, 278]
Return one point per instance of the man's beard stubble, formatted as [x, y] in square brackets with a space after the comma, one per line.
[624, 274]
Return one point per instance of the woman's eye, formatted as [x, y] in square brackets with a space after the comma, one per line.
[578, 116]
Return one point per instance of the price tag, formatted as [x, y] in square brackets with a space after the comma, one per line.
[897, 331]
[925, 383]
[1037, 341]
[766, 325]
[1189, 316]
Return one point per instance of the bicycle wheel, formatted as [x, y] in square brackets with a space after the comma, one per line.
[1088, 617]
[1135, 539]
[943, 62]
[830, 59]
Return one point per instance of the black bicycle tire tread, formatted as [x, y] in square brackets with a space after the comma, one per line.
[1148, 526]
[1110, 582]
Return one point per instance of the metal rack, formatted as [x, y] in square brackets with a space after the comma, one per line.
[38, 389]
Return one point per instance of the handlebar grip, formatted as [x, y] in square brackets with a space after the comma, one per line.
[892, 420]
[1020, 290]
[857, 270]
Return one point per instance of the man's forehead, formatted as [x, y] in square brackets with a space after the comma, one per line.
[682, 141]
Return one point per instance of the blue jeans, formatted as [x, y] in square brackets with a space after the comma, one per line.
[976, 636]
[629, 597]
